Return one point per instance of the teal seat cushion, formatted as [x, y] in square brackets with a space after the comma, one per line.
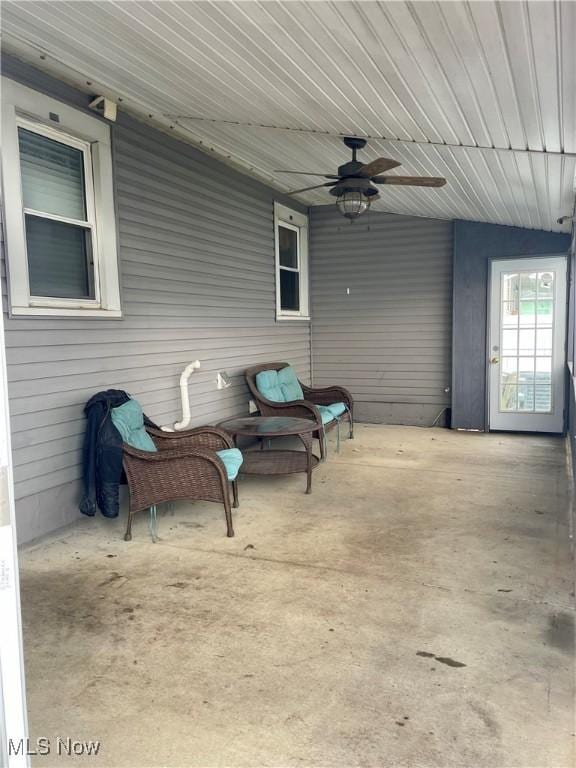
[269, 386]
[279, 386]
[232, 459]
[337, 409]
[325, 413]
[129, 421]
[330, 412]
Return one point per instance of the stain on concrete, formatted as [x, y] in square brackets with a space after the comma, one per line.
[560, 631]
[442, 659]
[114, 577]
[449, 662]
[486, 717]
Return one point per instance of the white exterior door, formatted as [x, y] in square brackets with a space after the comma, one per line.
[527, 336]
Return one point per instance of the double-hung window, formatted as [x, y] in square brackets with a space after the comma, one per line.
[291, 234]
[61, 233]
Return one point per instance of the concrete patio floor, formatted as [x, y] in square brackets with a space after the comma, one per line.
[415, 610]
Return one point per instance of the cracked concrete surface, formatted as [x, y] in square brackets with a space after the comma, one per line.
[416, 610]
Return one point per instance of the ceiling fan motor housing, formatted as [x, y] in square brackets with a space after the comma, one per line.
[354, 185]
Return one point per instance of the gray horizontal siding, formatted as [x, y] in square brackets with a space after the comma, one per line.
[197, 273]
[388, 339]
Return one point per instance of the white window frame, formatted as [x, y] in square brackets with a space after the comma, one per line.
[34, 111]
[291, 219]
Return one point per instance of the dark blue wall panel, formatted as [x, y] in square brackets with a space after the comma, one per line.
[474, 245]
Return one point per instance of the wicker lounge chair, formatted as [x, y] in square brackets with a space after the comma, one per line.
[185, 466]
[315, 405]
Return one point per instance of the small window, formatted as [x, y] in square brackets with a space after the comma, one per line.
[291, 230]
[59, 214]
[60, 223]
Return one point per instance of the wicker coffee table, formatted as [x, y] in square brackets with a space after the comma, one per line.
[271, 461]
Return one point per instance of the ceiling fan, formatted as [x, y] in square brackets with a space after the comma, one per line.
[353, 185]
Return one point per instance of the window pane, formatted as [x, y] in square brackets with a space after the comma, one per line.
[288, 247]
[59, 259]
[52, 176]
[289, 290]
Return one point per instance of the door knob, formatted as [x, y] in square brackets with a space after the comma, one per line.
[494, 360]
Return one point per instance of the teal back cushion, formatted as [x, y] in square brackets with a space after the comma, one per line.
[279, 386]
[290, 385]
[269, 387]
[129, 421]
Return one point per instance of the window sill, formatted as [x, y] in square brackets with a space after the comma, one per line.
[105, 314]
[292, 317]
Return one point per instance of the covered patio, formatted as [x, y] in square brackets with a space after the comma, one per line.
[357, 217]
[414, 610]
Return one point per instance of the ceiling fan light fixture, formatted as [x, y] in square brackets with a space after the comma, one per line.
[353, 203]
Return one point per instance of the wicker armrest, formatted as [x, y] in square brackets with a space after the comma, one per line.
[168, 454]
[328, 395]
[212, 438]
[300, 409]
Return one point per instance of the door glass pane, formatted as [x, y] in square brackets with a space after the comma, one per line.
[543, 370]
[508, 397]
[544, 341]
[528, 285]
[52, 176]
[526, 362]
[527, 313]
[59, 259]
[526, 341]
[543, 399]
[510, 342]
[526, 397]
[508, 383]
[289, 290]
[545, 285]
[544, 319]
[288, 247]
[510, 285]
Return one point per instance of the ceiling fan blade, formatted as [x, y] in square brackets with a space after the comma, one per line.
[317, 186]
[410, 181]
[380, 165]
[309, 173]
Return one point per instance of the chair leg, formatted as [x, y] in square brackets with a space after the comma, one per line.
[235, 494]
[228, 514]
[351, 426]
[322, 441]
[128, 534]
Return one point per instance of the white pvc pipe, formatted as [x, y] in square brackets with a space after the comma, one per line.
[186, 373]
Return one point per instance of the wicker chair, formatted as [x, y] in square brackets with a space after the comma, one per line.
[186, 466]
[303, 409]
